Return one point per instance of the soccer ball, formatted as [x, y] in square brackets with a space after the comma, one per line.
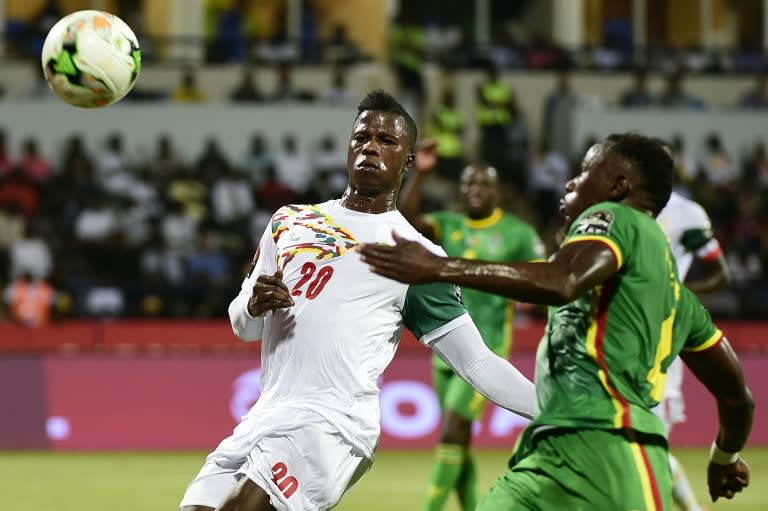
[91, 59]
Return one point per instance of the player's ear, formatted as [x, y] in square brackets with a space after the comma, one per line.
[620, 188]
[409, 162]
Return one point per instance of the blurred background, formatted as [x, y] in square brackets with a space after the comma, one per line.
[125, 232]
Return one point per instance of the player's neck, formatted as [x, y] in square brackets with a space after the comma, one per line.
[364, 203]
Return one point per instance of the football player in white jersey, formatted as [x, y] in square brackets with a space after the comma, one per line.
[329, 327]
[689, 230]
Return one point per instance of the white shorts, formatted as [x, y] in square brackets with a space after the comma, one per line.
[306, 467]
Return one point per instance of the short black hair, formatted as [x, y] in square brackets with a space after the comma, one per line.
[381, 101]
[652, 160]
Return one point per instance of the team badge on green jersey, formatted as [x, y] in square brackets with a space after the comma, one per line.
[598, 222]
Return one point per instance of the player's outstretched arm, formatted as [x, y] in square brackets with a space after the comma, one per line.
[569, 273]
[719, 370]
[247, 310]
[465, 352]
[715, 275]
[410, 195]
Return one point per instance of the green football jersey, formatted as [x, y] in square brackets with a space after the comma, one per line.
[499, 237]
[602, 361]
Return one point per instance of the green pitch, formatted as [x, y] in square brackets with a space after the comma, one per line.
[36, 481]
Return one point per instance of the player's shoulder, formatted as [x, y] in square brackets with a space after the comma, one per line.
[407, 231]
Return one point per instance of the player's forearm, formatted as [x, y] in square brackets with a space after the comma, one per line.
[244, 326]
[716, 278]
[735, 414]
[523, 281]
[410, 196]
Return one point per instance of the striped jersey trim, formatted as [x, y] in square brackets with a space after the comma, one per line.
[709, 343]
[651, 494]
[602, 239]
[594, 348]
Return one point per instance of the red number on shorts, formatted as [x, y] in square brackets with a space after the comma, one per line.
[285, 483]
[317, 285]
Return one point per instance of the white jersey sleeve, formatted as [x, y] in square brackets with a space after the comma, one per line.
[245, 326]
[464, 350]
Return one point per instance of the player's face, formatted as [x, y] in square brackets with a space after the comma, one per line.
[379, 153]
[591, 186]
[479, 191]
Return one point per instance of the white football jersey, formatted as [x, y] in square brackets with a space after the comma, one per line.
[327, 352]
[689, 231]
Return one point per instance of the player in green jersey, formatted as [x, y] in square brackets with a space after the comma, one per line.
[482, 231]
[618, 318]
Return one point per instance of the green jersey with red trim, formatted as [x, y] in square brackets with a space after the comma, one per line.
[603, 359]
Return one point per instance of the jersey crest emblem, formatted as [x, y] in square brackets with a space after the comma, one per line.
[598, 222]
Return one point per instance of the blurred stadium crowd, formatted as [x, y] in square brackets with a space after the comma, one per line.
[107, 233]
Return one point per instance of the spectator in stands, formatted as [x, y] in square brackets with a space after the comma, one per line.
[112, 160]
[556, 118]
[757, 97]
[178, 229]
[406, 53]
[5, 157]
[293, 166]
[105, 299]
[675, 95]
[338, 93]
[75, 150]
[637, 95]
[339, 50]
[33, 164]
[717, 164]
[285, 89]
[273, 193]
[685, 162]
[548, 172]
[30, 300]
[165, 163]
[447, 129]
[208, 277]
[256, 160]
[755, 173]
[12, 225]
[212, 161]
[188, 90]
[330, 170]
[190, 192]
[494, 111]
[247, 91]
[31, 254]
[231, 198]
[228, 41]
[97, 232]
[19, 193]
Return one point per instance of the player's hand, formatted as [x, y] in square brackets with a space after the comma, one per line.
[426, 155]
[727, 480]
[270, 293]
[406, 261]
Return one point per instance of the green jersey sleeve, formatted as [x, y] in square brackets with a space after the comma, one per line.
[428, 307]
[694, 323]
[605, 222]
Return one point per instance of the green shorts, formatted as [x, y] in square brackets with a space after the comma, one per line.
[589, 470]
